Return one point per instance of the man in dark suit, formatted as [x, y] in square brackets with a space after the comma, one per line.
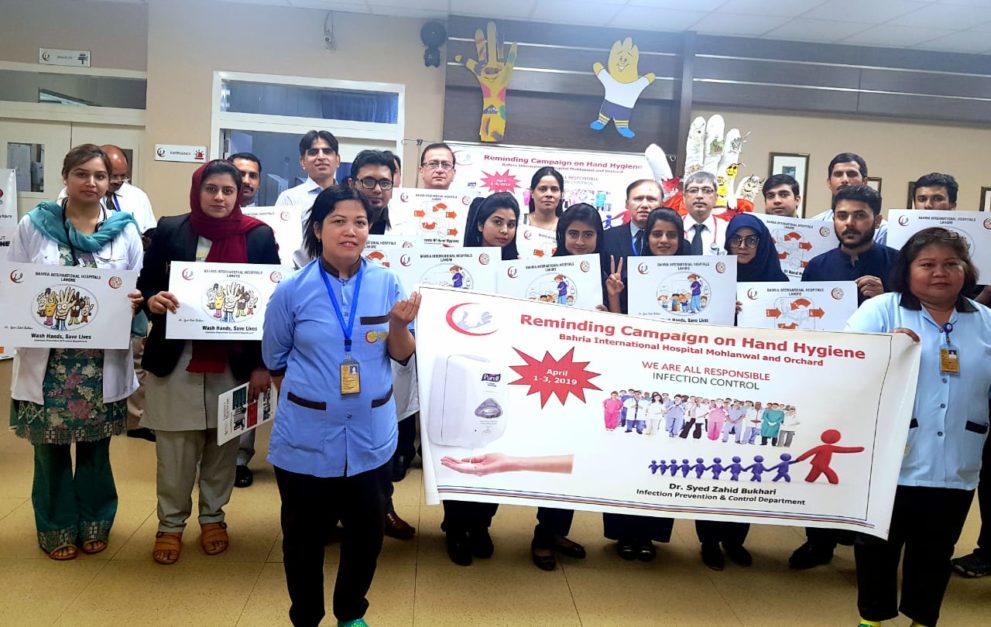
[620, 242]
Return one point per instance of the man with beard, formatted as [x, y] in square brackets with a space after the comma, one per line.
[705, 233]
[372, 174]
[251, 173]
[848, 169]
[858, 258]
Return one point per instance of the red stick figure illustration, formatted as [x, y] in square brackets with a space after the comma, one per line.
[822, 455]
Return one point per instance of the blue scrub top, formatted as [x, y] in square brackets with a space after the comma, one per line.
[318, 431]
[950, 417]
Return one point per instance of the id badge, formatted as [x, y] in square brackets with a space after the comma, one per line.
[949, 359]
[350, 377]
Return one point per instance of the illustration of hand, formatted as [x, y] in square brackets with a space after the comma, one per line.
[489, 463]
[492, 69]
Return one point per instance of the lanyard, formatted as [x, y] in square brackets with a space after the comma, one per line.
[113, 199]
[946, 329]
[68, 238]
[345, 328]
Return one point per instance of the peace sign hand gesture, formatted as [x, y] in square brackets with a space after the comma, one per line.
[614, 282]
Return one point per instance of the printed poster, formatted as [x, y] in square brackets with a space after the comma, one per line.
[236, 415]
[221, 301]
[460, 268]
[430, 213]
[573, 281]
[8, 209]
[535, 243]
[973, 226]
[286, 221]
[798, 240]
[596, 178]
[807, 305]
[45, 306]
[521, 402]
[688, 288]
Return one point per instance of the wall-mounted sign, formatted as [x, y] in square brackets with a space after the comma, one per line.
[74, 58]
[179, 152]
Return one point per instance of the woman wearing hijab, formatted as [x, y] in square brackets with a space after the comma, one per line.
[186, 377]
[63, 396]
[756, 262]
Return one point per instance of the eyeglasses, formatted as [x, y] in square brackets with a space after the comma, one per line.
[119, 178]
[370, 183]
[439, 165]
[749, 241]
[692, 191]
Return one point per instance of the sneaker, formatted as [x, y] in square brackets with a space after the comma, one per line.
[972, 566]
[809, 556]
[712, 556]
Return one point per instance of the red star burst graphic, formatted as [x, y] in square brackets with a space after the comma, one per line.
[500, 182]
[552, 376]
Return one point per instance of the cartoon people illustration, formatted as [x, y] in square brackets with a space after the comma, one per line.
[699, 467]
[457, 277]
[823, 454]
[622, 85]
[216, 295]
[757, 468]
[735, 469]
[228, 305]
[74, 310]
[562, 289]
[716, 419]
[252, 303]
[62, 308]
[50, 306]
[696, 287]
[42, 301]
[242, 303]
[782, 468]
[87, 309]
[492, 69]
[612, 407]
[716, 467]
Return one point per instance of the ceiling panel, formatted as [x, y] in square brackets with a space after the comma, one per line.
[822, 31]
[864, 12]
[643, 18]
[894, 36]
[739, 25]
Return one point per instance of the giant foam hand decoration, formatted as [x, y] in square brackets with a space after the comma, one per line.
[492, 69]
[713, 149]
[623, 87]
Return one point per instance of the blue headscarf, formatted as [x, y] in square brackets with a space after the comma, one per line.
[49, 218]
[765, 266]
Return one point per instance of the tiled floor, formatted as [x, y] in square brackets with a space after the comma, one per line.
[415, 583]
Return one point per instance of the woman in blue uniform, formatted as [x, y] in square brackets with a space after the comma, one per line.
[949, 426]
[330, 331]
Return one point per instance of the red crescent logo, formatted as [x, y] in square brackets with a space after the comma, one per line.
[453, 325]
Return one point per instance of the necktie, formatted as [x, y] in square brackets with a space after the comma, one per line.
[697, 239]
[638, 242]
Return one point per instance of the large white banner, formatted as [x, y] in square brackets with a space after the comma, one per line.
[437, 215]
[798, 240]
[221, 301]
[60, 306]
[287, 223]
[973, 226]
[683, 288]
[521, 402]
[808, 305]
[574, 281]
[8, 224]
[596, 178]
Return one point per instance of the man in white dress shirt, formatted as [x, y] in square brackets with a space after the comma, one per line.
[319, 158]
[705, 233]
[849, 169]
[250, 168]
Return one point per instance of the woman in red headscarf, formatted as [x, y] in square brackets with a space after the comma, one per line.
[186, 377]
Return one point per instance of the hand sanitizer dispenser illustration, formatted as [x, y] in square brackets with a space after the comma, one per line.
[467, 402]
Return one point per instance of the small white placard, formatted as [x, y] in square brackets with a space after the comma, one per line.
[72, 58]
[180, 152]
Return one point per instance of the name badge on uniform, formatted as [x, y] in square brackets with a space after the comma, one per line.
[350, 377]
[949, 359]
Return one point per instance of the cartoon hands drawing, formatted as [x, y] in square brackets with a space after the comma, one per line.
[492, 69]
[623, 87]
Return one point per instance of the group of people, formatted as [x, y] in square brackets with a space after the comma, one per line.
[343, 430]
[682, 415]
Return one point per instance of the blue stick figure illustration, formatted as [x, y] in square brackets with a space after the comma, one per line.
[662, 467]
[653, 466]
[716, 467]
[673, 467]
[757, 468]
[735, 469]
[699, 467]
[686, 467]
[782, 468]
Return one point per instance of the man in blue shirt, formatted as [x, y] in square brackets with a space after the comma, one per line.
[858, 258]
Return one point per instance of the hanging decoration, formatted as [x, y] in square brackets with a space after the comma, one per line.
[623, 87]
[493, 69]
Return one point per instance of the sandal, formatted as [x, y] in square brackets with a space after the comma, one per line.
[93, 546]
[64, 553]
[167, 548]
[214, 538]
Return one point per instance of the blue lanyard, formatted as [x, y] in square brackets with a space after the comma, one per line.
[346, 328]
[113, 197]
